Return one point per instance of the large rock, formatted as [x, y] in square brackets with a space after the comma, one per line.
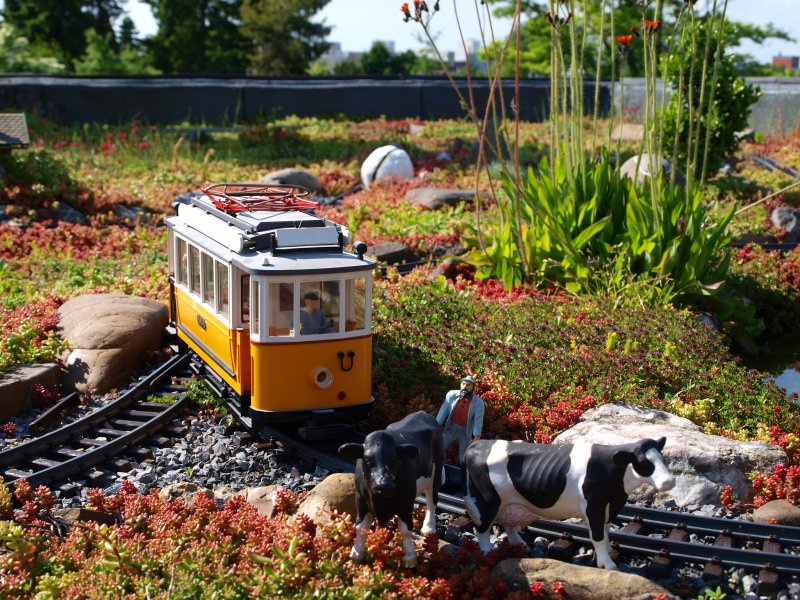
[392, 253]
[779, 512]
[335, 493]
[436, 198]
[787, 219]
[579, 582]
[16, 387]
[649, 167]
[294, 177]
[108, 334]
[702, 464]
[263, 498]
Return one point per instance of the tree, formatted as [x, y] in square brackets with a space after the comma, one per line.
[535, 35]
[102, 59]
[58, 23]
[198, 36]
[379, 60]
[18, 55]
[284, 38]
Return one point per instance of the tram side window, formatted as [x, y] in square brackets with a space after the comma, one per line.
[319, 307]
[254, 310]
[281, 308]
[222, 281]
[183, 261]
[208, 276]
[194, 260]
[356, 304]
[171, 252]
[245, 298]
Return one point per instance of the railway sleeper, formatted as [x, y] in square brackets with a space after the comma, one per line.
[118, 465]
[69, 489]
[141, 454]
[679, 533]
[141, 416]
[124, 424]
[768, 581]
[12, 474]
[67, 453]
[563, 548]
[89, 442]
[724, 539]
[176, 431]
[108, 432]
[96, 478]
[773, 544]
[713, 571]
[635, 527]
[46, 463]
[660, 565]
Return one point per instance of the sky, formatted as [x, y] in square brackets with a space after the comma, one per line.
[356, 24]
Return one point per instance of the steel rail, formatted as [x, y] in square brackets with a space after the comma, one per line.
[789, 536]
[787, 564]
[36, 448]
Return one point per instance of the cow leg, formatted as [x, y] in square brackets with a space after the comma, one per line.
[598, 526]
[410, 551]
[360, 547]
[429, 524]
[515, 538]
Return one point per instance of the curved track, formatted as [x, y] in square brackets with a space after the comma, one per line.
[74, 450]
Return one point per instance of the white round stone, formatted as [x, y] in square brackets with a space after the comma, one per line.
[386, 161]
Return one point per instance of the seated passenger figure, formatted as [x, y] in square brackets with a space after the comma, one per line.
[312, 319]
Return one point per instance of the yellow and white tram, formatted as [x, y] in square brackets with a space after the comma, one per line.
[264, 291]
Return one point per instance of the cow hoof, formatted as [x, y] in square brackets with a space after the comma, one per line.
[356, 556]
[427, 530]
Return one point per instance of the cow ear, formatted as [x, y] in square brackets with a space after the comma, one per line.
[407, 452]
[660, 443]
[351, 451]
[623, 457]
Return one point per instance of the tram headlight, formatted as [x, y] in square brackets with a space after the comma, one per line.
[323, 378]
[360, 248]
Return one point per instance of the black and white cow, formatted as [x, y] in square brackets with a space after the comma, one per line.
[393, 467]
[515, 483]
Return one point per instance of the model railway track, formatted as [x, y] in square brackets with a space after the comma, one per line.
[100, 438]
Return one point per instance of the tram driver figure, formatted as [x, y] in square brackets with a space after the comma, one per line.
[462, 416]
[312, 319]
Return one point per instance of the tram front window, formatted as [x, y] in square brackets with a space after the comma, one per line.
[319, 308]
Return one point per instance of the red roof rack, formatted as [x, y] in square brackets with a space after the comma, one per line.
[233, 198]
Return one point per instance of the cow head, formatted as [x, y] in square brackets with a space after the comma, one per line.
[644, 464]
[379, 456]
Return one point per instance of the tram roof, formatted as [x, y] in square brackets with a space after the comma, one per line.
[268, 243]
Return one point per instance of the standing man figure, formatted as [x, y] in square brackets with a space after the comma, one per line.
[462, 416]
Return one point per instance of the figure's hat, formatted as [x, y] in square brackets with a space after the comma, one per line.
[469, 379]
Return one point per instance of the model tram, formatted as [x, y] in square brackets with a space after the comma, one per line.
[266, 294]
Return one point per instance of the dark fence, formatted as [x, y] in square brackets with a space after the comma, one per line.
[228, 100]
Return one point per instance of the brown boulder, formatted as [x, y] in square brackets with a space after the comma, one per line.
[436, 198]
[16, 387]
[580, 582]
[336, 493]
[780, 512]
[186, 491]
[294, 177]
[108, 334]
[263, 498]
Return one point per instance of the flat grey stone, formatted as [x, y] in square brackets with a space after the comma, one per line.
[436, 198]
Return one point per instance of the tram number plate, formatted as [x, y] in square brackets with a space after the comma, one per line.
[202, 322]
